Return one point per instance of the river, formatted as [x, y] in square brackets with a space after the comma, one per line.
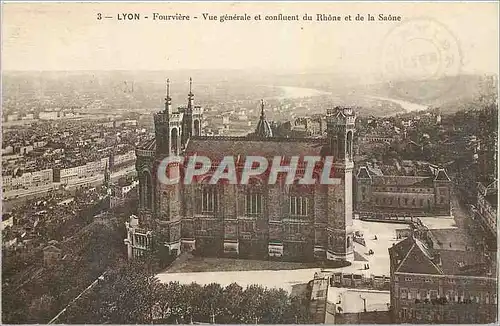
[300, 92]
[407, 106]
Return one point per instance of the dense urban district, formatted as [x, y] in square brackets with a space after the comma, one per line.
[90, 235]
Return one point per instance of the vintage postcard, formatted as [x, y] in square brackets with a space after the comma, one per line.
[249, 162]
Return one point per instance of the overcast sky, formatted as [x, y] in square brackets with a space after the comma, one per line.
[68, 36]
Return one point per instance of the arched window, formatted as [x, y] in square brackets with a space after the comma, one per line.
[208, 199]
[299, 206]
[300, 200]
[253, 203]
[254, 197]
[197, 128]
[174, 135]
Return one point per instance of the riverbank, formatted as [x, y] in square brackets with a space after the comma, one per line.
[406, 106]
[292, 92]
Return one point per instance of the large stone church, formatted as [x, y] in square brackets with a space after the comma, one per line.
[257, 220]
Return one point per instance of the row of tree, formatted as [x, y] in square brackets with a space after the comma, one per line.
[132, 294]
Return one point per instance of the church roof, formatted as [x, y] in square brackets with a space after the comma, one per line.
[263, 128]
[218, 146]
[267, 147]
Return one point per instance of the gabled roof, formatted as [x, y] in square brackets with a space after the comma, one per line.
[340, 113]
[52, 249]
[363, 173]
[400, 250]
[413, 256]
[441, 175]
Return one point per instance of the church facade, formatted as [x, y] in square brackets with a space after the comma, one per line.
[292, 222]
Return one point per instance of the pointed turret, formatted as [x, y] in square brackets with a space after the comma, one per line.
[190, 95]
[162, 124]
[263, 128]
[168, 99]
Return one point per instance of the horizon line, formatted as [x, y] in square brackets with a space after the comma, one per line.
[252, 70]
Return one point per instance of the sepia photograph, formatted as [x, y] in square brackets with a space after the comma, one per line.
[249, 162]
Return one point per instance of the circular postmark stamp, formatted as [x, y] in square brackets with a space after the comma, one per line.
[417, 55]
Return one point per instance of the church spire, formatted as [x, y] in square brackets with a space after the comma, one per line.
[190, 95]
[262, 115]
[263, 129]
[168, 99]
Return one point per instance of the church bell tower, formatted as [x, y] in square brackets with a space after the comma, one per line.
[340, 131]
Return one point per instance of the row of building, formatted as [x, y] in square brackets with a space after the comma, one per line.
[53, 144]
[22, 150]
[67, 175]
[486, 211]
[42, 115]
[412, 188]
[441, 286]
